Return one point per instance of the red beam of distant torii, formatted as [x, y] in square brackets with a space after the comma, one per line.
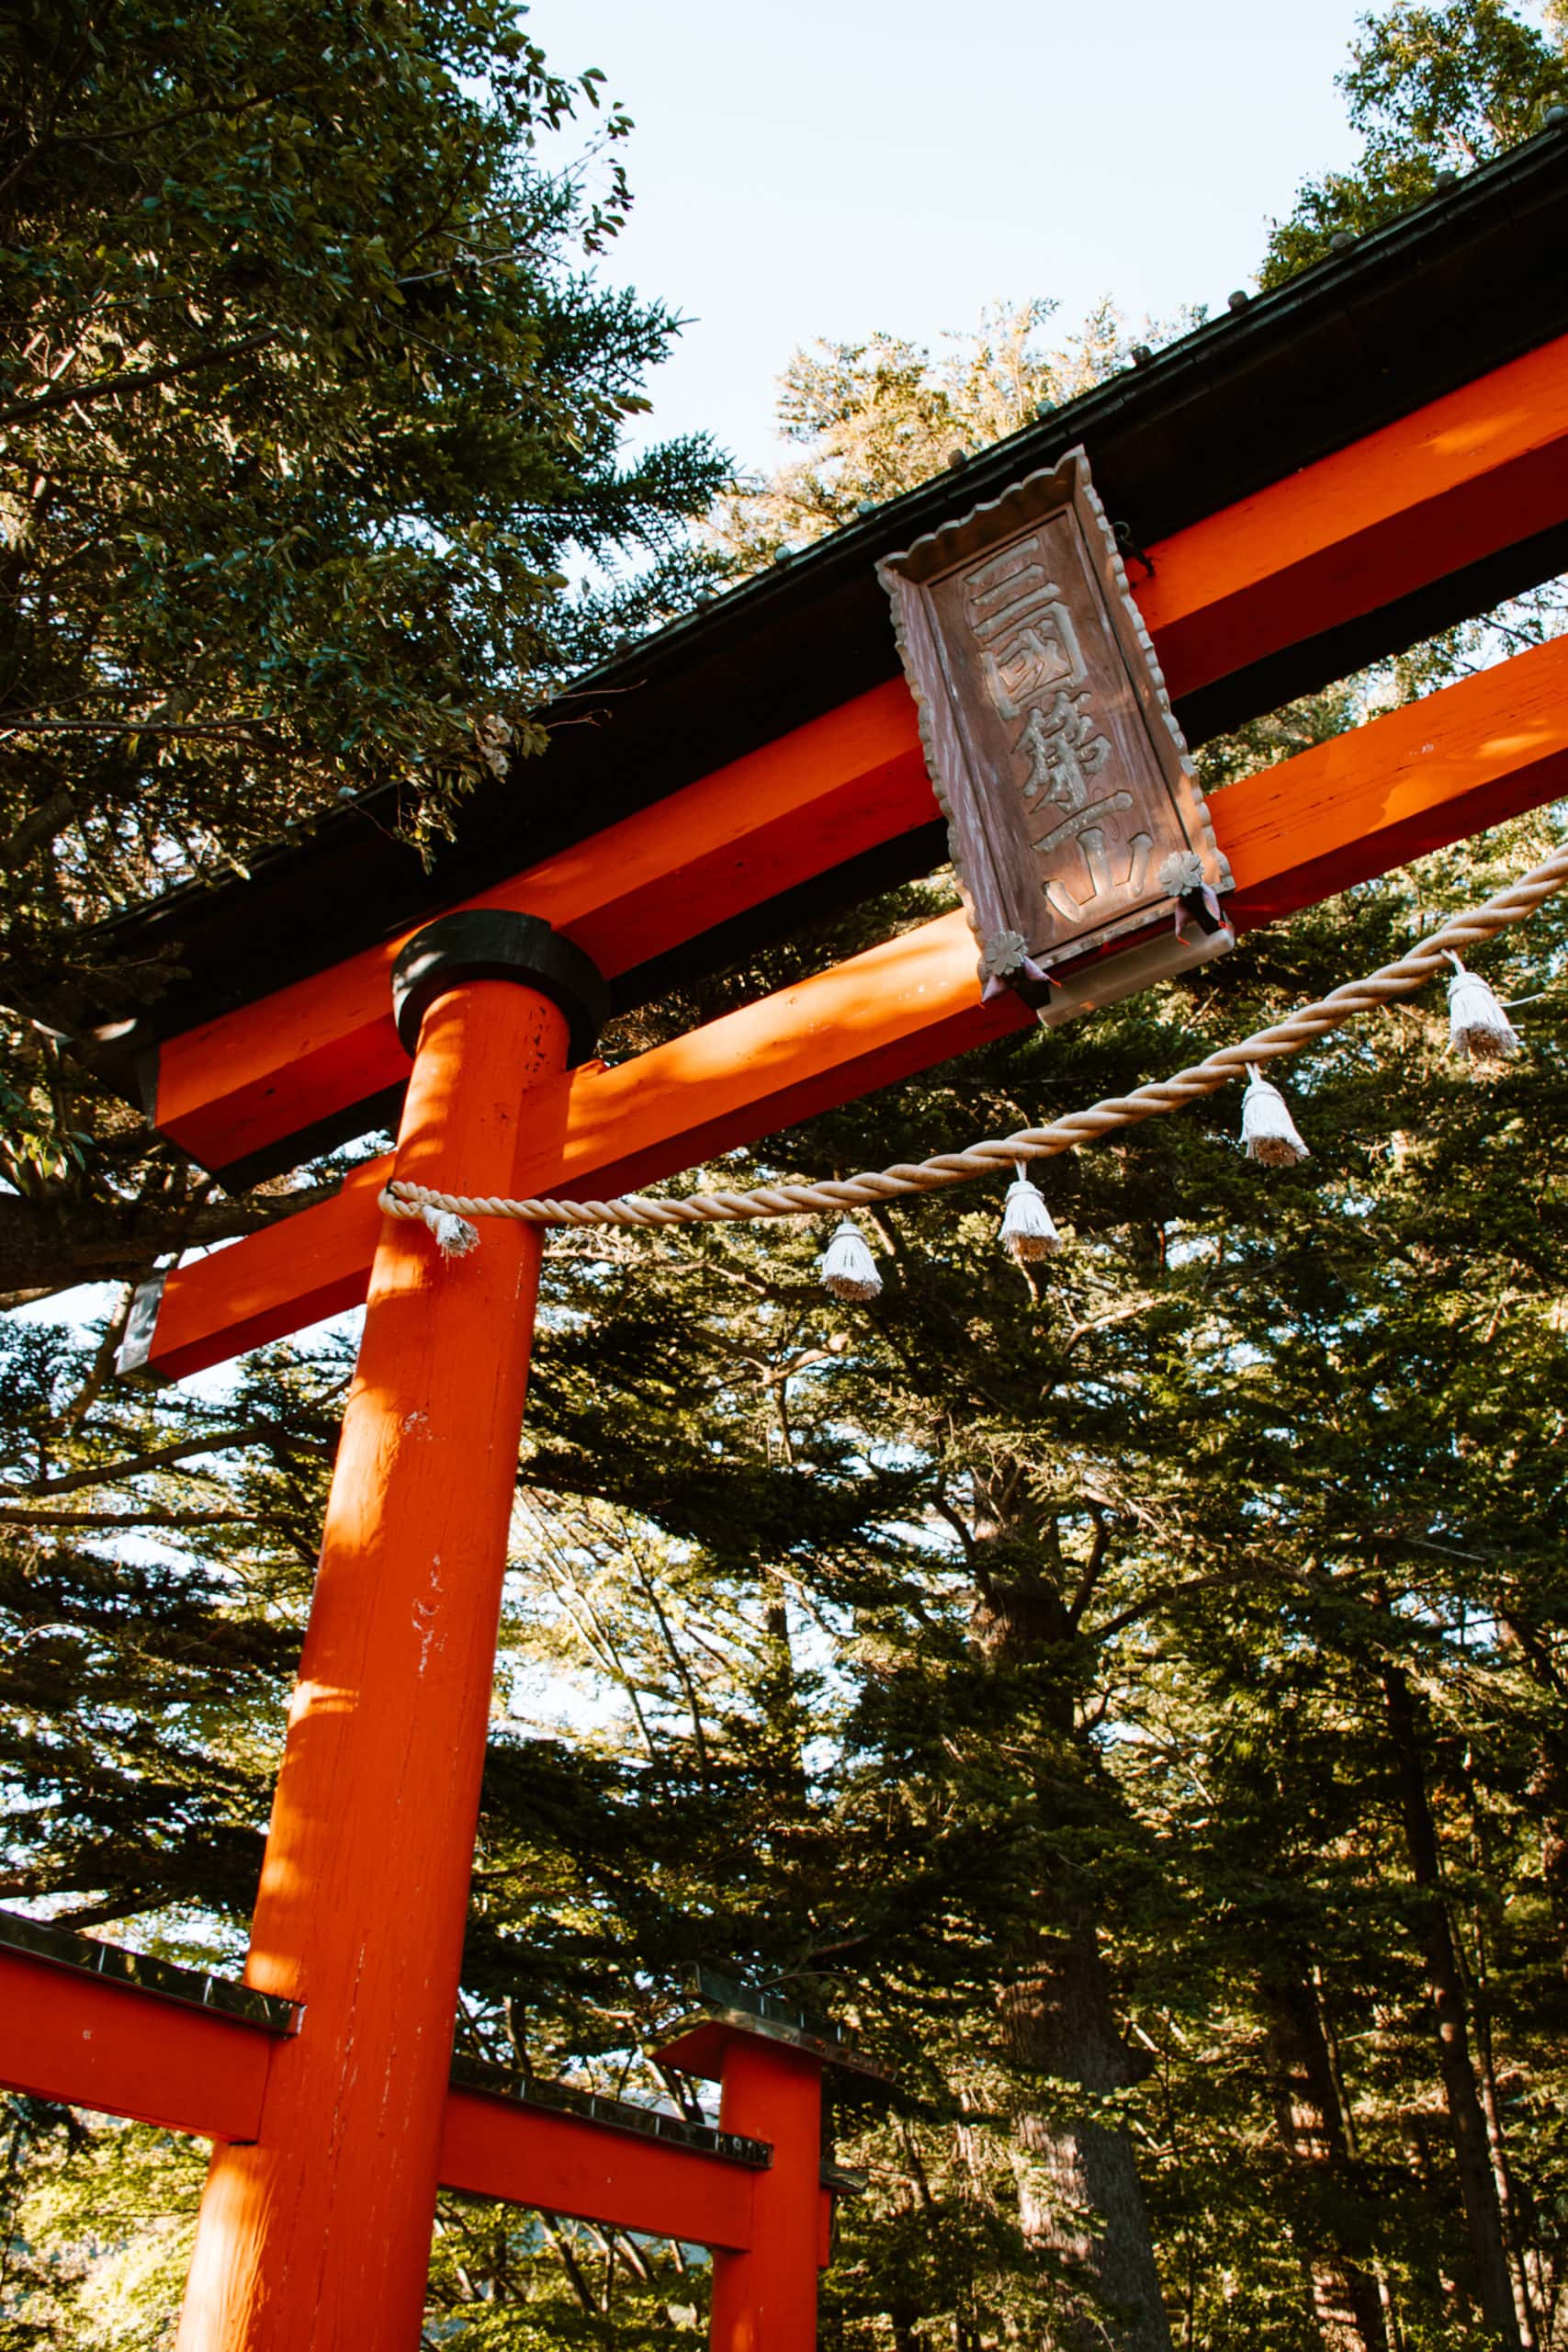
[331, 2140]
[87, 2025]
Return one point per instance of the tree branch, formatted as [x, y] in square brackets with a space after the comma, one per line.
[1100, 1322]
[1103, 1525]
[1164, 1596]
[20, 1515]
[132, 379]
[34, 830]
[126, 727]
[162, 1457]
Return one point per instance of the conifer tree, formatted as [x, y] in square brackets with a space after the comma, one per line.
[308, 392]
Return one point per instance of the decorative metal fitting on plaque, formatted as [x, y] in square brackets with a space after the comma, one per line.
[1073, 814]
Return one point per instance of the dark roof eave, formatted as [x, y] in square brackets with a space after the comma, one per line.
[1464, 282]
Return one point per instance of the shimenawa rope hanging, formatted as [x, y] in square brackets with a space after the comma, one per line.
[1479, 1026]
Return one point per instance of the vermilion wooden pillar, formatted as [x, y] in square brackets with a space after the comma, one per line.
[316, 2238]
[765, 2299]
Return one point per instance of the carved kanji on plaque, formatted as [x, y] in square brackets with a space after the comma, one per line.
[1073, 814]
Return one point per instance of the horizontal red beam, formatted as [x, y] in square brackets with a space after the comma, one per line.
[1440, 489]
[1433, 492]
[812, 799]
[90, 2042]
[567, 2163]
[1420, 777]
[844, 1033]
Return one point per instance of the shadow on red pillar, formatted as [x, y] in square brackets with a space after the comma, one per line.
[316, 2238]
[765, 2299]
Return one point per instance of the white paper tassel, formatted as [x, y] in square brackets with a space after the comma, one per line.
[1267, 1127]
[455, 1236]
[849, 1269]
[1027, 1227]
[1478, 1026]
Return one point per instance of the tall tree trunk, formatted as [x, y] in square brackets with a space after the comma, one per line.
[1547, 1793]
[1392, 2333]
[1548, 1788]
[1421, 2130]
[1492, 2107]
[1467, 2121]
[1314, 2130]
[1091, 2218]
[782, 1725]
[1055, 2000]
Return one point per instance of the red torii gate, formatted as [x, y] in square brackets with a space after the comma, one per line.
[1365, 512]
[85, 2023]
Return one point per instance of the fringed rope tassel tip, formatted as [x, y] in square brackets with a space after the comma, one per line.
[1479, 1028]
[849, 1269]
[1028, 1230]
[455, 1236]
[1268, 1129]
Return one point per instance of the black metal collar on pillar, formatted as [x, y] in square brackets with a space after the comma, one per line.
[493, 944]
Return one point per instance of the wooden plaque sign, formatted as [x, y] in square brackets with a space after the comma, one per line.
[1073, 810]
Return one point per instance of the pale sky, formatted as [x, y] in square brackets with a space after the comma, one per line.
[834, 166]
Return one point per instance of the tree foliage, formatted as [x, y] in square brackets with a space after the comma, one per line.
[310, 401]
[876, 417]
[1432, 92]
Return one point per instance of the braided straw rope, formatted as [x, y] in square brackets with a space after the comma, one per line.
[1521, 898]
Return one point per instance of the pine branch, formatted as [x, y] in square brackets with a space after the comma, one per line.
[19, 1515]
[162, 1457]
[36, 828]
[132, 379]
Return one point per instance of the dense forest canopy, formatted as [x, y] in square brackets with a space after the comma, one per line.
[1131, 1693]
[308, 394]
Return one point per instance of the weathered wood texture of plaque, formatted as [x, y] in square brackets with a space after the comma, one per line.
[1073, 814]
